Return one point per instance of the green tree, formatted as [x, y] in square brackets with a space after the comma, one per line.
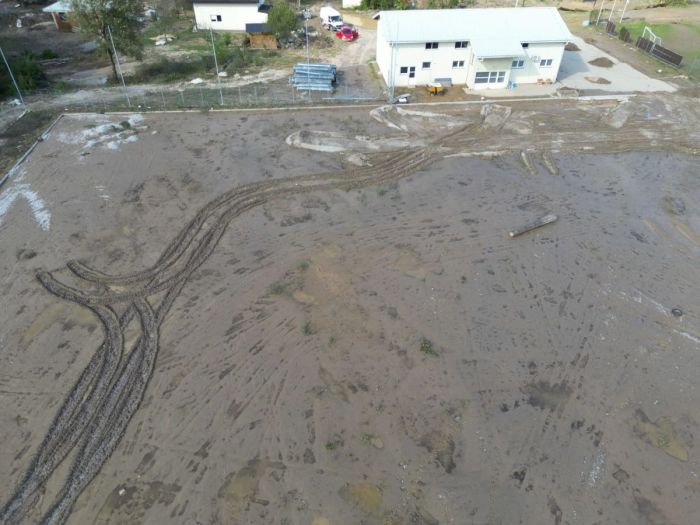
[97, 17]
[282, 20]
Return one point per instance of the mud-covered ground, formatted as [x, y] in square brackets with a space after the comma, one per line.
[377, 350]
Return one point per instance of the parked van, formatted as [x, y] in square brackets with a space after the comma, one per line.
[330, 18]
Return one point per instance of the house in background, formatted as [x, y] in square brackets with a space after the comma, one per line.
[479, 48]
[229, 15]
[349, 4]
[59, 12]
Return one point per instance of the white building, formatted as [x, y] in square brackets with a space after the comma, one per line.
[482, 48]
[349, 4]
[229, 15]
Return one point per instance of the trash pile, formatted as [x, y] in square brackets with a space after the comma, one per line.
[163, 39]
[313, 76]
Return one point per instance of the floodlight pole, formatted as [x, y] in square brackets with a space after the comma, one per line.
[19, 93]
[216, 65]
[119, 66]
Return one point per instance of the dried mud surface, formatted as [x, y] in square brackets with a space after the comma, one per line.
[319, 317]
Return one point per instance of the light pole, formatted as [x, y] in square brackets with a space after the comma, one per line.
[119, 66]
[307, 15]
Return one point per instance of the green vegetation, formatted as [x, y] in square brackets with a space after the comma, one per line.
[279, 288]
[47, 54]
[168, 70]
[331, 445]
[27, 72]
[303, 266]
[282, 20]
[637, 28]
[308, 329]
[426, 346]
[102, 18]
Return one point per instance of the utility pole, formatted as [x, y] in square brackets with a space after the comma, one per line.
[119, 66]
[216, 65]
[19, 93]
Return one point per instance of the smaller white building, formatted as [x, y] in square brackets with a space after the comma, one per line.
[349, 4]
[229, 15]
[479, 48]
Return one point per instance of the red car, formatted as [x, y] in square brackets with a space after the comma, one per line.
[347, 33]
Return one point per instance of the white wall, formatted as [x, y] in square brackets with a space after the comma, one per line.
[407, 55]
[489, 64]
[413, 55]
[383, 54]
[532, 71]
[233, 17]
[351, 3]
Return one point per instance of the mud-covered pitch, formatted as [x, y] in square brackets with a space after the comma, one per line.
[319, 317]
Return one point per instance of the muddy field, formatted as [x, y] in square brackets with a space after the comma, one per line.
[318, 317]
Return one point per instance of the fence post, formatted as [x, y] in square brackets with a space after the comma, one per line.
[162, 97]
[201, 96]
[240, 100]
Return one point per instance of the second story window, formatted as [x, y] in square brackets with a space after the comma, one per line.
[431, 45]
[461, 45]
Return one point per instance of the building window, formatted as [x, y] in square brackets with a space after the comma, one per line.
[426, 65]
[404, 71]
[546, 62]
[457, 64]
[461, 45]
[215, 18]
[490, 77]
[431, 45]
[518, 64]
[525, 45]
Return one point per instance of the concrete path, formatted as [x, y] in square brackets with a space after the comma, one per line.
[577, 72]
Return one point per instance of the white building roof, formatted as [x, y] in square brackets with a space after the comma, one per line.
[481, 27]
[62, 6]
[496, 48]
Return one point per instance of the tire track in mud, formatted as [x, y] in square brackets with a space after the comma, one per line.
[98, 408]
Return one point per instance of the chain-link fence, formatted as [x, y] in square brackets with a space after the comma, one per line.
[205, 97]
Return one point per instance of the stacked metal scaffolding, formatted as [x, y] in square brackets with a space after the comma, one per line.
[313, 77]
